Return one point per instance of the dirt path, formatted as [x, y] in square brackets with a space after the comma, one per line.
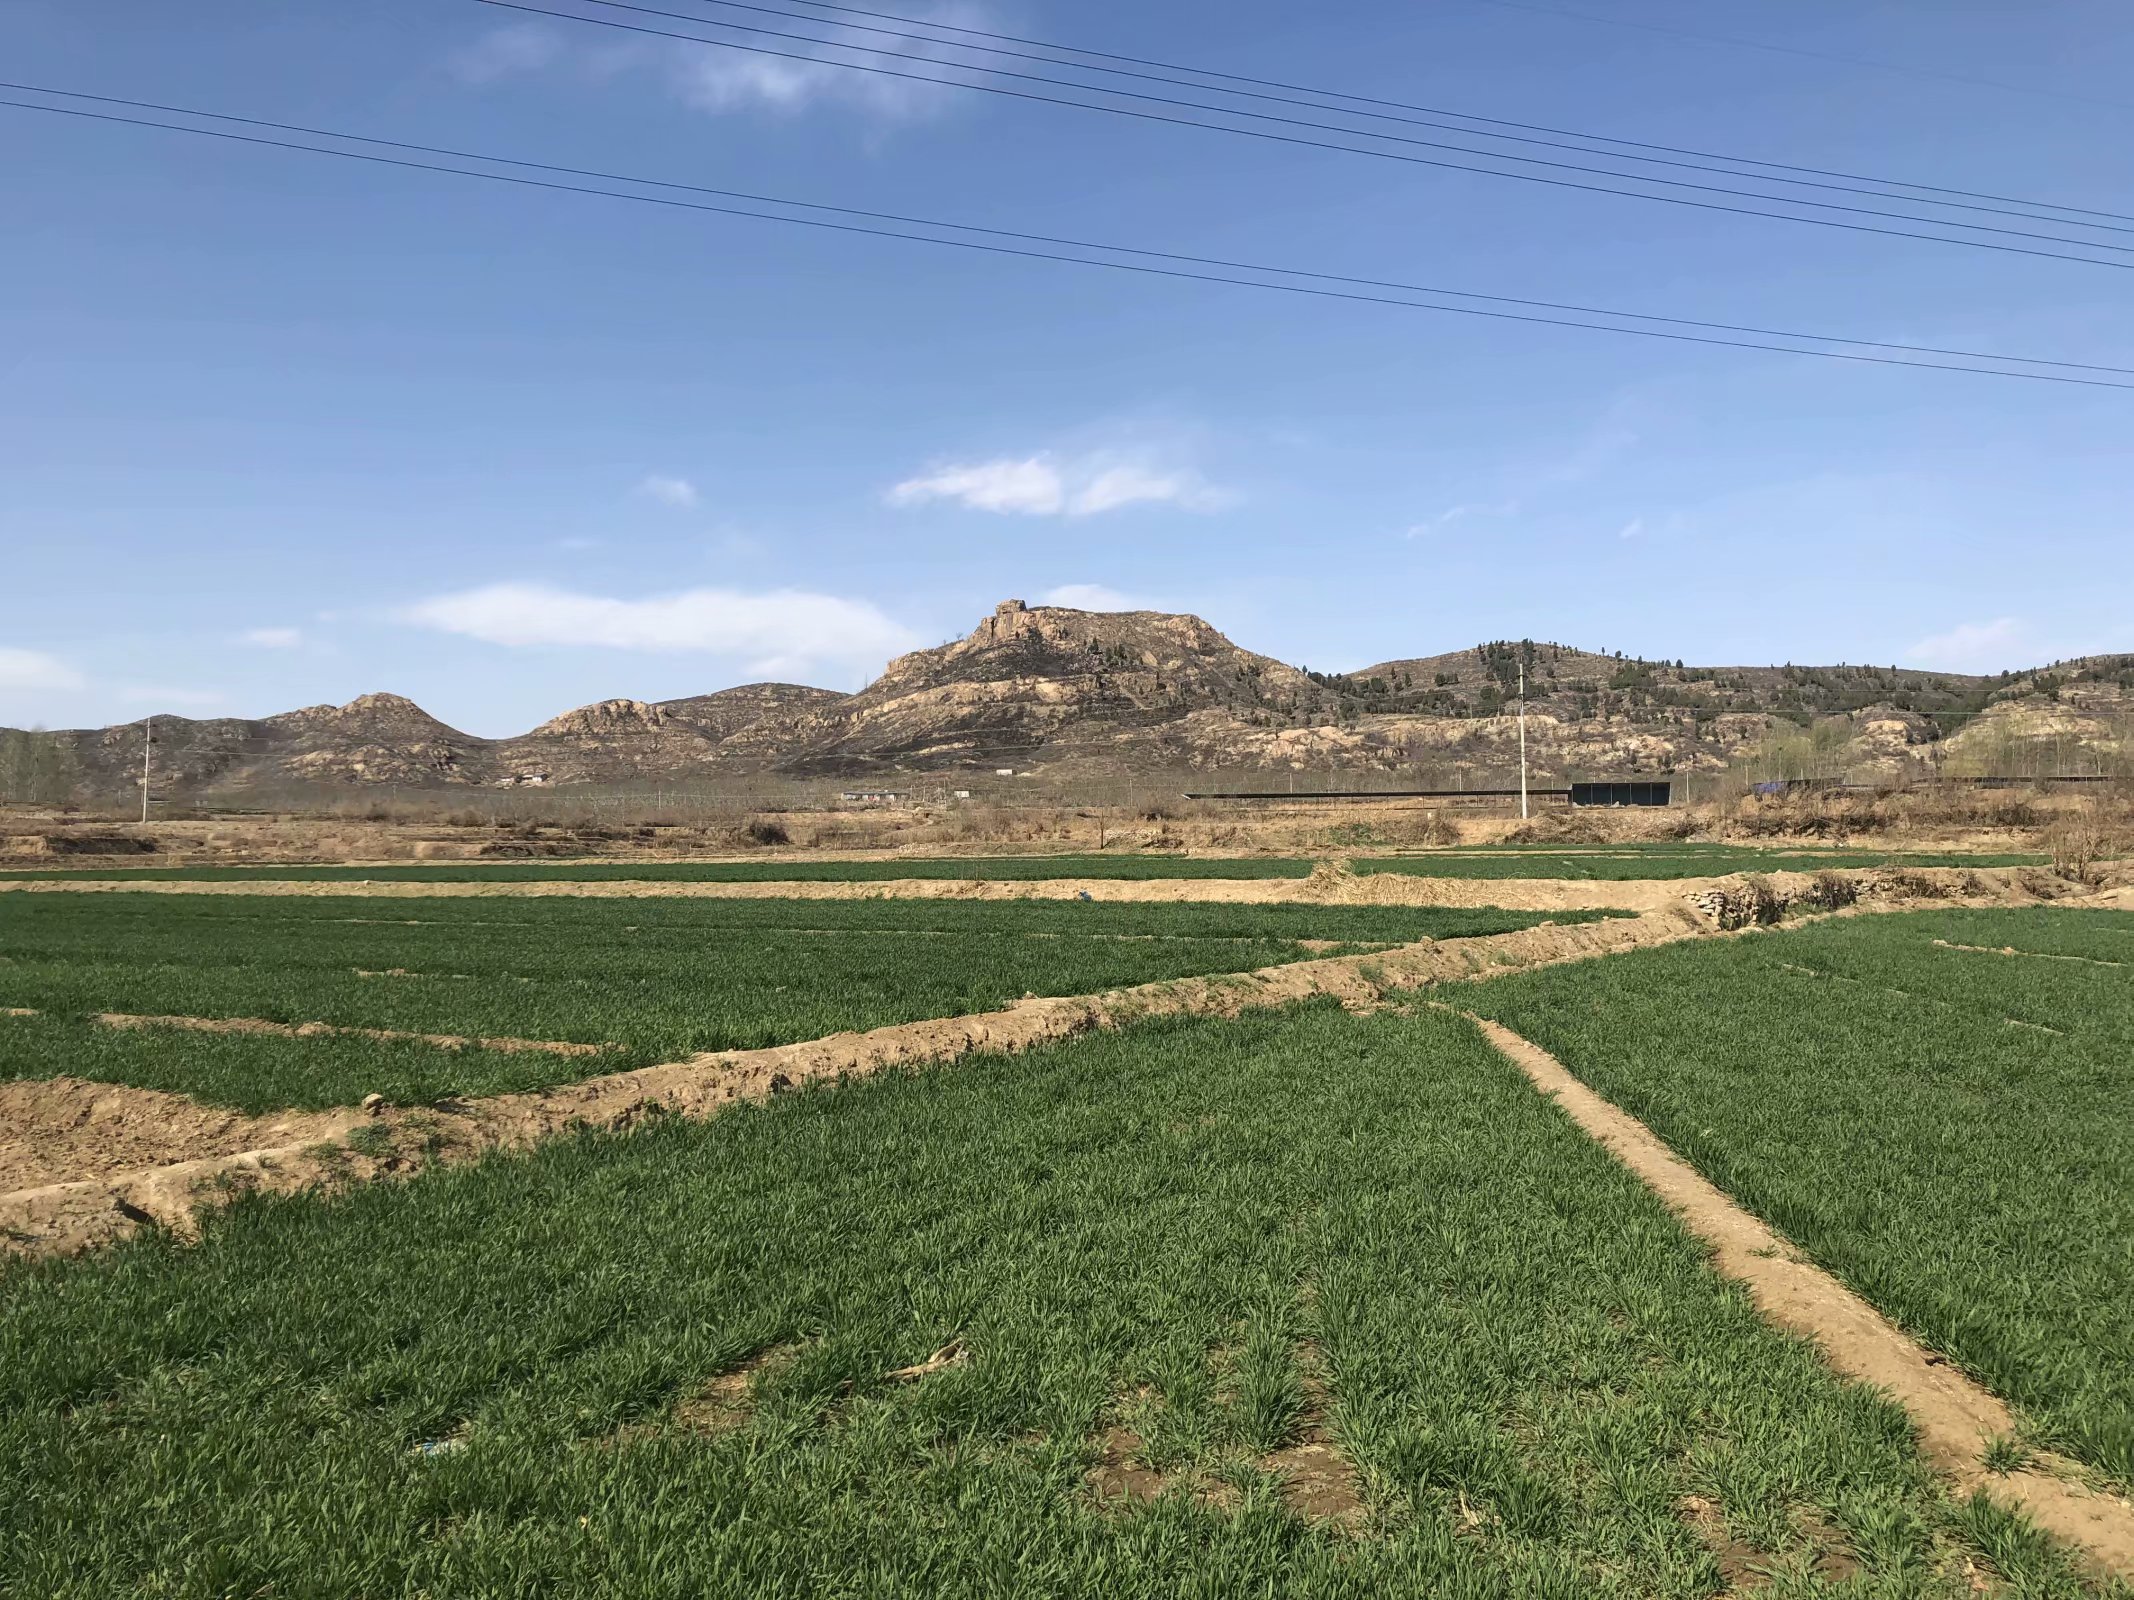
[83, 1198]
[1954, 1416]
[2033, 955]
[1392, 889]
[1986, 885]
[319, 1030]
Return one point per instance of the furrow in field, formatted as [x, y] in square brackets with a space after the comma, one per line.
[317, 1030]
[1955, 1417]
[67, 1213]
[2035, 955]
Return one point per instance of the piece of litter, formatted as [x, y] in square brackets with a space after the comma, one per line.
[438, 1447]
[949, 1355]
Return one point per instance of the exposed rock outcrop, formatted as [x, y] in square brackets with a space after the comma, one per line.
[1054, 689]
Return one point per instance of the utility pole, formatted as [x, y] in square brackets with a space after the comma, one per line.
[148, 743]
[1522, 738]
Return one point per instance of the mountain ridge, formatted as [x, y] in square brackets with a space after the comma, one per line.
[1062, 691]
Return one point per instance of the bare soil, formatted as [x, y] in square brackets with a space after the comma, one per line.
[471, 825]
[1120, 1475]
[55, 1130]
[1328, 885]
[1954, 1416]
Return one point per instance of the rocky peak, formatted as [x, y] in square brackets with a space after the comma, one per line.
[604, 718]
[368, 716]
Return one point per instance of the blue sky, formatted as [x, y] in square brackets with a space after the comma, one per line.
[277, 430]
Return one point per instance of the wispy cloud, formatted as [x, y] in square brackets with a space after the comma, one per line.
[719, 80]
[272, 638]
[1633, 529]
[1999, 645]
[1049, 485]
[779, 631]
[677, 492]
[33, 669]
[1462, 513]
[510, 51]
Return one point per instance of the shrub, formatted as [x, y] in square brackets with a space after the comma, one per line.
[766, 831]
[2078, 844]
[1767, 902]
[1833, 890]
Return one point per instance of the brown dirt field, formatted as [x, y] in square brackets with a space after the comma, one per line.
[1327, 886]
[1513, 894]
[1954, 1416]
[165, 1180]
[58, 1129]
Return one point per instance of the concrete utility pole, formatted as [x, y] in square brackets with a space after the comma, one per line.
[1522, 738]
[148, 741]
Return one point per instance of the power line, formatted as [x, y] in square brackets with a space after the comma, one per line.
[1701, 164]
[1322, 144]
[1797, 50]
[1044, 255]
[1500, 122]
[1052, 239]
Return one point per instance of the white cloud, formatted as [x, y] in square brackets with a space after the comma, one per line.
[1048, 485]
[677, 492]
[782, 630]
[711, 79]
[1976, 647]
[577, 543]
[272, 638]
[1033, 487]
[1633, 529]
[1094, 597]
[33, 669]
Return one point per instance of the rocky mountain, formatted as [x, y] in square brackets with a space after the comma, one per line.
[1061, 692]
[388, 739]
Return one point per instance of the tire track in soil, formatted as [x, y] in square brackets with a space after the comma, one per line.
[1953, 1415]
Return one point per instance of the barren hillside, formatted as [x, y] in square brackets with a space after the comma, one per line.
[1064, 692]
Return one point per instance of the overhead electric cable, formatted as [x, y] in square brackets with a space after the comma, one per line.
[1797, 50]
[1402, 105]
[1045, 238]
[1006, 250]
[1703, 163]
[1383, 155]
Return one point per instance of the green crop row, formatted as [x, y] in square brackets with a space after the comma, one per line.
[1947, 1130]
[1174, 1251]
[257, 1073]
[658, 979]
